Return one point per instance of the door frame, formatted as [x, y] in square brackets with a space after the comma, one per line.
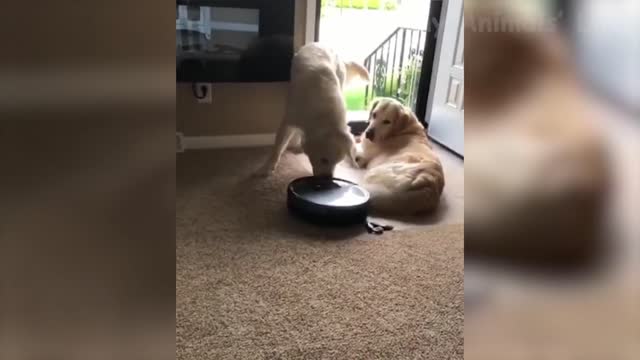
[428, 60]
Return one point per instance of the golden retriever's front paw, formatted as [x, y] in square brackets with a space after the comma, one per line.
[358, 156]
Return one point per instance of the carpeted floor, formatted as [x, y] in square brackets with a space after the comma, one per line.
[254, 283]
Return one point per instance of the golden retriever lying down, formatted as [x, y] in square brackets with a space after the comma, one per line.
[404, 175]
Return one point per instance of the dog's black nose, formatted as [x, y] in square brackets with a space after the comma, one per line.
[370, 134]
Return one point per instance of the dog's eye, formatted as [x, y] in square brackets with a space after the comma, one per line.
[324, 161]
[373, 115]
[386, 122]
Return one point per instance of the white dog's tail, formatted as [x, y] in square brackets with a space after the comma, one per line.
[356, 73]
[405, 189]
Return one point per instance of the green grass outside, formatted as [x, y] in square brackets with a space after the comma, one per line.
[354, 98]
[363, 4]
[390, 5]
[373, 4]
[357, 4]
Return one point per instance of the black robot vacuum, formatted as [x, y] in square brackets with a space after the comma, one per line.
[330, 201]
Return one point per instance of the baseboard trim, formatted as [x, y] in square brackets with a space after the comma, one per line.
[228, 141]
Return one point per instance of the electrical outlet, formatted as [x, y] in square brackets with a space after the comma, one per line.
[179, 142]
[204, 92]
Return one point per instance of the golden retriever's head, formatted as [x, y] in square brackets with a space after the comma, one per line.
[326, 149]
[388, 118]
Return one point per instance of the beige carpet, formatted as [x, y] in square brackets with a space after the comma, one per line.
[254, 283]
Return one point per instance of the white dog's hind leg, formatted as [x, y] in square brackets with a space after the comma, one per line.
[295, 143]
[283, 137]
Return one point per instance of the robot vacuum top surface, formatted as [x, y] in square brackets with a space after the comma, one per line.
[329, 192]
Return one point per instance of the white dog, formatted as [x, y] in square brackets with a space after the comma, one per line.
[316, 110]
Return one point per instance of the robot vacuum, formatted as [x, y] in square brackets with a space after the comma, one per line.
[330, 201]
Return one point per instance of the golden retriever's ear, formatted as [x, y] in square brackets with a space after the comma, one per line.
[401, 122]
[405, 123]
[412, 119]
[373, 107]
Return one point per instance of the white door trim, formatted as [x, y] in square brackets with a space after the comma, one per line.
[446, 123]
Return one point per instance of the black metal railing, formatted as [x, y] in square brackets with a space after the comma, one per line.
[395, 66]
